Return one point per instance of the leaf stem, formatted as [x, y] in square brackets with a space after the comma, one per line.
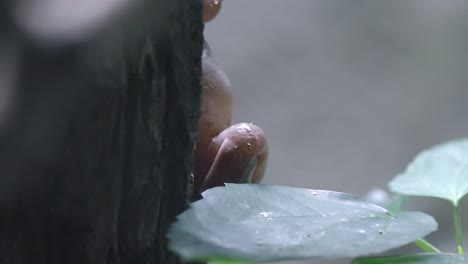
[458, 229]
[426, 246]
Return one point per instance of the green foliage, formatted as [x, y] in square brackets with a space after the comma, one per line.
[245, 223]
[425, 258]
[263, 223]
[441, 171]
[220, 261]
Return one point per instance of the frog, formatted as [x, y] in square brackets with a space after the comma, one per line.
[224, 153]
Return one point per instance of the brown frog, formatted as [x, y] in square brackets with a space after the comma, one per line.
[224, 152]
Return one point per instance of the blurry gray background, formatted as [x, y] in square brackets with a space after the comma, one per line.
[348, 92]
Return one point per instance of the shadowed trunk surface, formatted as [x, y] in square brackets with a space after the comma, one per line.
[97, 125]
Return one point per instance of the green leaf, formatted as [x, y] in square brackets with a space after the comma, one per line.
[441, 171]
[425, 258]
[227, 262]
[252, 222]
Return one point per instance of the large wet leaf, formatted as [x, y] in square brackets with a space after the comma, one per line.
[425, 258]
[441, 171]
[264, 223]
[220, 261]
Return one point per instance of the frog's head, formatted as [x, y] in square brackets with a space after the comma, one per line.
[211, 9]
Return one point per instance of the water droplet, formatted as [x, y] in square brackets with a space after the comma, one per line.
[265, 214]
[243, 128]
[361, 231]
[381, 232]
[313, 193]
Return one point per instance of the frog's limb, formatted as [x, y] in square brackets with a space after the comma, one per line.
[238, 154]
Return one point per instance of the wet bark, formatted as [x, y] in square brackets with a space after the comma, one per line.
[97, 126]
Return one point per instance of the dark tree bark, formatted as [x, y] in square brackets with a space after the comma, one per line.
[97, 126]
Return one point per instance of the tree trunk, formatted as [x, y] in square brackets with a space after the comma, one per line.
[97, 123]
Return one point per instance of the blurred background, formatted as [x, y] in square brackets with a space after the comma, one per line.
[348, 92]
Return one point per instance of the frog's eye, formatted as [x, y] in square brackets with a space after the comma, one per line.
[211, 9]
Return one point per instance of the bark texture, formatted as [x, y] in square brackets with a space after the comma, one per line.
[97, 126]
